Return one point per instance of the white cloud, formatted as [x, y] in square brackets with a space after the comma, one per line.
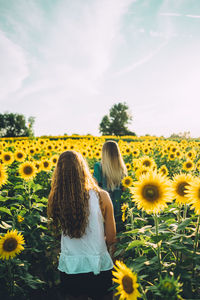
[143, 60]
[170, 14]
[193, 16]
[73, 55]
[14, 67]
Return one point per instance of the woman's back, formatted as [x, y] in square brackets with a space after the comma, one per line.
[88, 253]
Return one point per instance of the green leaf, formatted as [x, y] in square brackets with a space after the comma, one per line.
[184, 224]
[19, 187]
[3, 198]
[37, 187]
[6, 210]
[135, 243]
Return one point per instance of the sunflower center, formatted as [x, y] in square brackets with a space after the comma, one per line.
[188, 165]
[150, 192]
[19, 155]
[46, 164]
[146, 163]
[127, 283]
[181, 188]
[28, 170]
[7, 157]
[199, 193]
[10, 244]
[127, 181]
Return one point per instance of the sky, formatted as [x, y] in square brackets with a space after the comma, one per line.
[66, 63]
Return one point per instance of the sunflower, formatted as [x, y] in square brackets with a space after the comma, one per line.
[152, 192]
[163, 170]
[191, 154]
[135, 164]
[147, 162]
[20, 218]
[146, 150]
[54, 159]
[127, 282]
[20, 155]
[141, 171]
[135, 152]
[97, 154]
[179, 154]
[49, 147]
[128, 166]
[188, 165]
[198, 165]
[127, 150]
[46, 165]
[193, 195]
[179, 184]
[37, 166]
[124, 207]
[3, 175]
[27, 170]
[31, 151]
[84, 153]
[171, 155]
[11, 244]
[127, 181]
[7, 157]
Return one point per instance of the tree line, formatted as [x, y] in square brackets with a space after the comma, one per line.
[114, 123]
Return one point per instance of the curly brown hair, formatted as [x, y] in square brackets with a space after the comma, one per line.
[68, 201]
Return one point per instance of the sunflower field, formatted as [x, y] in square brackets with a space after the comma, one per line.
[157, 255]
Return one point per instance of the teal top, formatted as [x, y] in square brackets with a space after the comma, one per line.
[88, 253]
[115, 195]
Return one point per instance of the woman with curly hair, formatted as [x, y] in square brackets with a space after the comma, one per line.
[84, 213]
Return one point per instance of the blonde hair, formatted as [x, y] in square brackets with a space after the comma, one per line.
[68, 202]
[113, 166]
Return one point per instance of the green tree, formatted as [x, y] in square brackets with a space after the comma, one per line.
[14, 125]
[117, 121]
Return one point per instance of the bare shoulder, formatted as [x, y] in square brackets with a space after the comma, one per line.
[105, 197]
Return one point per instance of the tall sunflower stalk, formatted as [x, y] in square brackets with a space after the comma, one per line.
[151, 194]
[196, 240]
[158, 243]
[27, 187]
[185, 211]
[11, 244]
[10, 277]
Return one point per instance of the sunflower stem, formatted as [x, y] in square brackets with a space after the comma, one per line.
[143, 293]
[197, 234]
[11, 279]
[132, 221]
[158, 244]
[29, 195]
[185, 211]
[195, 248]
[179, 214]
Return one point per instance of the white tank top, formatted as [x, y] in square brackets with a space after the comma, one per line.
[88, 253]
